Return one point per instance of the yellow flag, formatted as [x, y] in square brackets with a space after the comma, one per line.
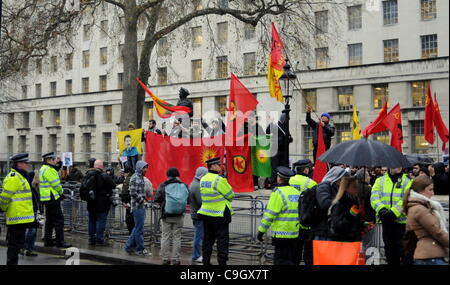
[356, 130]
[130, 142]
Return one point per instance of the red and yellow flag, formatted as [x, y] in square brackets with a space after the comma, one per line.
[276, 64]
[164, 109]
[393, 123]
[439, 124]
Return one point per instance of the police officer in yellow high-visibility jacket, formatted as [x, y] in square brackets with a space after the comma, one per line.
[16, 200]
[301, 181]
[216, 212]
[387, 200]
[281, 214]
[51, 193]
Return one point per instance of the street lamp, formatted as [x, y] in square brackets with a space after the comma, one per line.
[287, 87]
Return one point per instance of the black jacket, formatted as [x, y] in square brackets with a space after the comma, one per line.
[75, 175]
[328, 131]
[160, 196]
[440, 180]
[325, 194]
[103, 192]
[343, 225]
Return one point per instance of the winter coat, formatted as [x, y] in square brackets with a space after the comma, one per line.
[367, 212]
[440, 180]
[103, 192]
[75, 175]
[328, 131]
[426, 223]
[195, 198]
[137, 187]
[125, 194]
[160, 196]
[345, 223]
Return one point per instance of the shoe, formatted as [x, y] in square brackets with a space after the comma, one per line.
[166, 262]
[64, 245]
[30, 253]
[144, 253]
[199, 260]
[176, 262]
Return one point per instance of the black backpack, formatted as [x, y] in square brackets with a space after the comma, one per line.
[88, 183]
[308, 210]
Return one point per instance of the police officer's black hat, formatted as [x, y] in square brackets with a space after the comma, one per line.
[284, 172]
[303, 163]
[212, 161]
[20, 157]
[49, 155]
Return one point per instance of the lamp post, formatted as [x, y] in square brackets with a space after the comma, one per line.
[288, 90]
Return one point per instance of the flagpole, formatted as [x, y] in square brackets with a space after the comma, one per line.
[437, 144]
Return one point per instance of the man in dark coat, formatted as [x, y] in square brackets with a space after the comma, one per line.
[99, 207]
[440, 180]
[75, 174]
[328, 130]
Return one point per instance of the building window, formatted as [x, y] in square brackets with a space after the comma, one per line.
[310, 98]
[429, 46]
[85, 84]
[86, 56]
[54, 64]
[87, 144]
[107, 114]
[380, 95]
[26, 120]
[103, 56]
[71, 143]
[308, 146]
[418, 142]
[390, 12]
[69, 61]
[86, 32]
[22, 143]
[428, 9]
[162, 75]
[56, 118]
[39, 119]
[38, 141]
[222, 33]
[250, 63]
[119, 80]
[343, 133]
[197, 37]
[383, 137]
[354, 17]
[321, 58]
[249, 31]
[11, 121]
[24, 92]
[39, 65]
[104, 29]
[90, 115]
[321, 20]
[222, 67]
[221, 102]
[345, 98]
[107, 146]
[197, 103]
[103, 83]
[69, 87]
[197, 70]
[38, 90]
[163, 47]
[419, 93]
[52, 143]
[391, 53]
[355, 54]
[53, 88]
[10, 145]
[71, 115]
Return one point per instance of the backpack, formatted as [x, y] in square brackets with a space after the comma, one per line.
[308, 210]
[177, 195]
[88, 184]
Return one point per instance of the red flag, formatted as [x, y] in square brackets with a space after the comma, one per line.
[377, 125]
[320, 168]
[393, 122]
[429, 118]
[439, 123]
[240, 105]
[163, 152]
[239, 166]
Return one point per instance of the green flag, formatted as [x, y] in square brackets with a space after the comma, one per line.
[261, 156]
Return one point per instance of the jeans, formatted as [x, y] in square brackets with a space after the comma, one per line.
[136, 238]
[431, 261]
[30, 238]
[96, 226]
[198, 239]
[171, 230]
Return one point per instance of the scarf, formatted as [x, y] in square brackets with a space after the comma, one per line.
[436, 207]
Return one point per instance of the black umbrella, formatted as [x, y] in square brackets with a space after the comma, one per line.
[365, 152]
[419, 159]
